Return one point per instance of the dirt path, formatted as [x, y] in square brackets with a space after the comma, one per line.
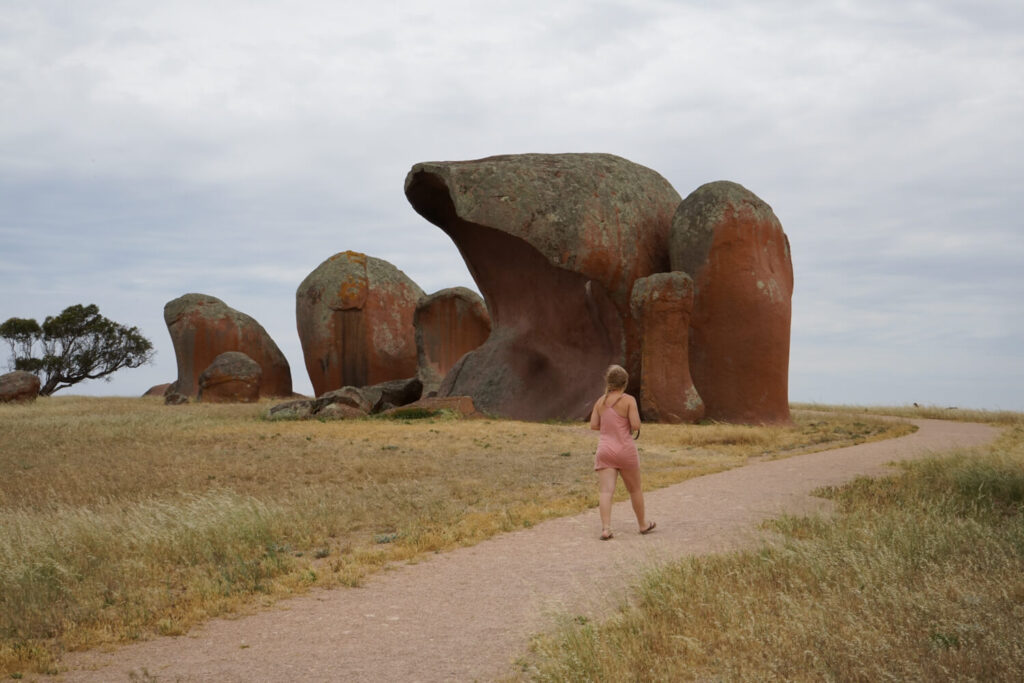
[467, 614]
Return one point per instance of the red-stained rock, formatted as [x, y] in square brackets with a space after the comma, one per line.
[233, 377]
[732, 245]
[449, 324]
[158, 389]
[662, 304]
[554, 244]
[461, 406]
[19, 386]
[354, 315]
[202, 327]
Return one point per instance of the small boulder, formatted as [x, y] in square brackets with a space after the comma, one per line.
[339, 411]
[19, 386]
[158, 390]
[233, 377]
[461, 406]
[292, 410]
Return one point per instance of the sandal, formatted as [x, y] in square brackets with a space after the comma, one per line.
[606, 535]
[649, 529]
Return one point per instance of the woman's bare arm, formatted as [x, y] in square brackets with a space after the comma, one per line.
[634, 415]
[595, 416]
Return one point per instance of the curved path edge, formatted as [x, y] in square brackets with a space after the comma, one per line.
[467, 614]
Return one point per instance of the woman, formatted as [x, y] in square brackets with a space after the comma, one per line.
[616, 416]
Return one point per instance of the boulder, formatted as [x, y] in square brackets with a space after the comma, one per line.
[19, 386]
[233, 377]
[202, 327]
[449, 324]
[554, 244]
[355, 321]
[349, 402]
[339, 411]
[461, 406]
[662, 304]
[158, 389]
[173, 398]
[376, 398]
[292, 410]
[732, 245]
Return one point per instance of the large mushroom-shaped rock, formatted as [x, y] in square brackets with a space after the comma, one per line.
[19, 386]
[732, 245]
[554, 243]
[449, 324]
[662, 303]
[202, 327]
[233, 377]
[354, 313]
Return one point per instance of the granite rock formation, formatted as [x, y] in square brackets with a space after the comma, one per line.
[554, 244]
[233, 377]
[202, 327]
[355, 321]
[732, 245]
[662, 304]
[158, 389]
[449, 324]
[19, 386]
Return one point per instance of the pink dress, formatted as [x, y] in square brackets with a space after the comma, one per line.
[615, 448]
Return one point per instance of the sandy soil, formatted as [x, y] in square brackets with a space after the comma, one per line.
[468, 614]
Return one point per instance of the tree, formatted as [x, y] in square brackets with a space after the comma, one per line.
[77, 345]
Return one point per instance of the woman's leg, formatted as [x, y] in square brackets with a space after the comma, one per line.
[631, 478]
[606, 489]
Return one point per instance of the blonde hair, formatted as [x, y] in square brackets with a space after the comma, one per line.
[615, 378]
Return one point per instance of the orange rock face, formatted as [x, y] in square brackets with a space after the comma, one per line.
[449, 324]
[202, 327]
[554, 243]
[662, 304]
[355, 320]
[233, 377]
[732, 245]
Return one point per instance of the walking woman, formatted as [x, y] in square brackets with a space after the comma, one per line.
[616, 416]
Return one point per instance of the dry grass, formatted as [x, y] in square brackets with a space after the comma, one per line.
[120, 518]
[917, 578]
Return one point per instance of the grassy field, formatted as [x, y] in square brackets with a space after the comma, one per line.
[918, 577]
[123, 518]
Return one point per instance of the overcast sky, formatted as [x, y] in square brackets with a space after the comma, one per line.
[148, 150]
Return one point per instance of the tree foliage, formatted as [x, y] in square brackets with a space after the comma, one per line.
[77, 345]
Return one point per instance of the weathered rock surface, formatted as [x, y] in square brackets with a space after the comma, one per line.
[19, 386]
[355, 321]
[158, 389]
[733, 246]
[202, 327]
[554, 244]
[449, 324]
[233, 377]
[348, 402]
[461, 406]
[662, 304]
